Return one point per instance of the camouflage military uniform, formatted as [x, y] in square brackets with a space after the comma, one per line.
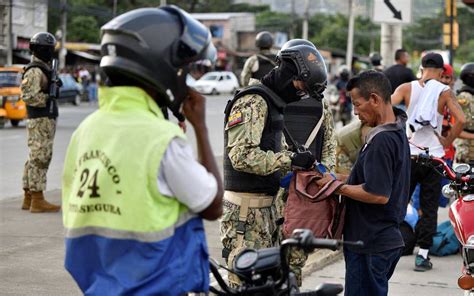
[328, 157]
[465, 147]
[250, 67]
[243, 150]
[40, 131]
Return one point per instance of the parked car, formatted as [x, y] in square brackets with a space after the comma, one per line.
[71, 91]
[217, 82]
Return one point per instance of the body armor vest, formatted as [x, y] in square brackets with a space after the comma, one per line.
[51, 108]
[271, 141]
[265, 64]
[300, 119]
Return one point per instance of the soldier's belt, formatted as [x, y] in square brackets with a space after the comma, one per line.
[251, 200]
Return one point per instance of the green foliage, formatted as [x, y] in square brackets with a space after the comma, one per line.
[464, 53]
[84, 29]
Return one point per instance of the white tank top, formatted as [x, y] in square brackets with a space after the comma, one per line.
[424, 137]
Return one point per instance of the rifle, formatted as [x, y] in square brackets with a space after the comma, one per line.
[55, 81]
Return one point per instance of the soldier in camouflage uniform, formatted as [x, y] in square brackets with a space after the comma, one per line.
[465, 96]
[350, 139]
[256, 156]
[261, 63]
[41, 124]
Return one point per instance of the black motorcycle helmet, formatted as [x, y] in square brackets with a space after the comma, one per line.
[42, 46]
[309, 62]
[153, 47]
[264, 40]
[467, 74]
[375, 59]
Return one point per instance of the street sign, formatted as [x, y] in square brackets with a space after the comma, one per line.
[392, 11]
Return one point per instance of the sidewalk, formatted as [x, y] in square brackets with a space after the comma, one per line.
[32, 251]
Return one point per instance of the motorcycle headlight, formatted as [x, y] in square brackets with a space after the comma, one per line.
[448, 191]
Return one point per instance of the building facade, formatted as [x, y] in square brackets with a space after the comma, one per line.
[19, 21]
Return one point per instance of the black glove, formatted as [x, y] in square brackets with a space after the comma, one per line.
[304, 160]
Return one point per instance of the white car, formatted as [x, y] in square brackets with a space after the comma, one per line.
[217, 82]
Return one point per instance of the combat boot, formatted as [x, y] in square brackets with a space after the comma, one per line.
[40, 205]
[26, 200]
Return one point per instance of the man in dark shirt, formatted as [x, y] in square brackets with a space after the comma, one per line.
[377, 189]
[399, 73]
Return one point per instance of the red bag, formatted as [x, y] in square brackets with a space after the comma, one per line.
[312, 207]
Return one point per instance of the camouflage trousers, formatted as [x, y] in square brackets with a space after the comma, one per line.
[261, 231]
[41, 133]
[297, 257]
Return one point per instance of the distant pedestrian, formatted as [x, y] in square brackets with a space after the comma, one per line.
[258, 65]
[400, 73]
[42, 112]
[92, 89]
[376, 61]
[377, 188]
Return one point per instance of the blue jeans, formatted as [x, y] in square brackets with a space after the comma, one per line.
[368, 274]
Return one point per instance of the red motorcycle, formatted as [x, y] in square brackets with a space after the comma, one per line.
[461, 188]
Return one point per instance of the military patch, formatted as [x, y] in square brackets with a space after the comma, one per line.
[234, 119]
[462, 101]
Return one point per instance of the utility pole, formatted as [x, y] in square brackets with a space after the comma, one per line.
[451, 27]
[305, 20]
[350, 37]
[62, 49]
[162, 2]
[9, 38]
[114, 9]
[293, 19]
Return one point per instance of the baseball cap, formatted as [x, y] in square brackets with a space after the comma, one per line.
[448, 70]
[432, 60]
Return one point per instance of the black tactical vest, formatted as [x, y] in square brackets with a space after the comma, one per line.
[271, 141]
[265, 65]
[300, 119]
[51, 108]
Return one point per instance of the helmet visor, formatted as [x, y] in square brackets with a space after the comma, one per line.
[195, 42]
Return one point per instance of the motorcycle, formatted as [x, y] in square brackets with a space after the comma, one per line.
[267, 272]
[461, 189]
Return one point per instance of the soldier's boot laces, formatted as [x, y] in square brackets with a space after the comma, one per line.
[40, 205]
[26, 200]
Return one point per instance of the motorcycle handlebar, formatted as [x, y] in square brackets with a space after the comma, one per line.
[450, 174]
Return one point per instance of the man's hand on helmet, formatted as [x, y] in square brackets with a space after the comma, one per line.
[302, 160]
[194, 108]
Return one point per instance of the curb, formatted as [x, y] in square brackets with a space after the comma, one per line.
[320, 259]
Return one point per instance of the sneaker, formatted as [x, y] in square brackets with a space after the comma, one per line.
[422, 264]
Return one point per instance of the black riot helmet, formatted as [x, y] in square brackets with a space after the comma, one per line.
[309, 63]
[153, 47]
[375, 59]
[467, 74]
[264, 40]
[42, 46]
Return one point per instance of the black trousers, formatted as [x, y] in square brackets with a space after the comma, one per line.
[430, 190]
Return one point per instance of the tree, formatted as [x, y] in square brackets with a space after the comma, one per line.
[84, 29]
